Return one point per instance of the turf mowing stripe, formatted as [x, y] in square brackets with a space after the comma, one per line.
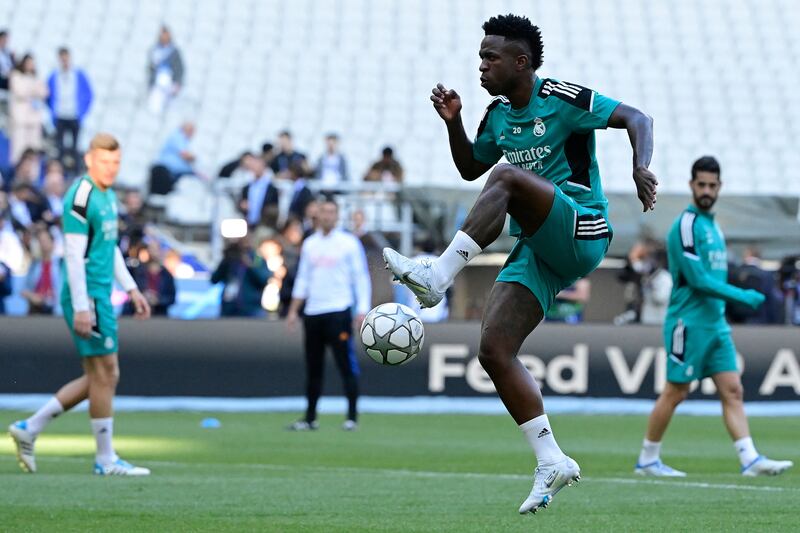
[461, 475]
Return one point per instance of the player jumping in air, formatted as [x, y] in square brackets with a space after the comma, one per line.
[696, 335]
[551, 189]
[92, 262]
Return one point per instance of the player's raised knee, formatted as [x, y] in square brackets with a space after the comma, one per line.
[503, 173]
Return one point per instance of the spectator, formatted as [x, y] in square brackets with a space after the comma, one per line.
[43, 283]
[301, 194]
[656, 287]
[310, 221]
[570, 303]
[6, 60]
[244, 275]
[12, 253]
[156, 283]
[26, 95]
[5, 286]
[228, 169]
[333, 285]
[28, 205]
[331, 169]
[165, 72]
[69, 101]
[750, 275]
[54, 188]
[385, 169]
[176, 155]
[268, 153]
[132, 222]
[270, 250]
[790, 284]
[291, 239]
[631, 278]
[28, 169]
[259, 201]
[287, 157]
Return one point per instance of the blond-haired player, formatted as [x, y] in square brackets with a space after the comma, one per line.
[92, 262]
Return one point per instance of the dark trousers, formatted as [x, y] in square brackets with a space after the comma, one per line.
[71, 128]
[334, 330]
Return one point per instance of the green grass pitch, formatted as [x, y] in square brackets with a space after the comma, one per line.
[396, 473]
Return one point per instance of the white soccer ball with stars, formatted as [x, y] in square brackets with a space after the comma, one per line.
[392, 334]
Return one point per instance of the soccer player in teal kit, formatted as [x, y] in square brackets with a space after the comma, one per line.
[552, 190]
[696, 335]
[91, 264]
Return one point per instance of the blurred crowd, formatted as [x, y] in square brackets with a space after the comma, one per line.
[647, 284]
[275, 189]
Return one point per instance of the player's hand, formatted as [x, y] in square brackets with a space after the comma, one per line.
[357, 321]
[82, 324]
[646, 183]
[754, 298]
[140, 306]
[446, 102]
[291, 321]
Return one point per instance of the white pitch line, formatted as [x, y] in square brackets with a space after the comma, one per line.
[459, 475]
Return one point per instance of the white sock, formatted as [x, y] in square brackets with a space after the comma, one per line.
[44, 415]
[461, 251]
[103, 429]
[540, 436]
[746, 450]
[651, 452]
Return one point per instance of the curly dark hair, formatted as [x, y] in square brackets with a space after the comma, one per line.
[516, 28]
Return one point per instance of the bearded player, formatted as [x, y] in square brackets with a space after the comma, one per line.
[552, 190]
[92, 261]
[696, 335]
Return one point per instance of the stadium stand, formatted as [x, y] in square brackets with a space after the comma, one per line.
[365, 69]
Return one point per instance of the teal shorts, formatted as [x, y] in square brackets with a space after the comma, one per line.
[569, 245]
[697, 352]
[103, 340]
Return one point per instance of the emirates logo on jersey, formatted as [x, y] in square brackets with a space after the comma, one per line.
[538, 127]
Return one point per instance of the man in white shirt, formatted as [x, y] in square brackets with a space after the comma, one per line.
[332, 280]
[332, 167]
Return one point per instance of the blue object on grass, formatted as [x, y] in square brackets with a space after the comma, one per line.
[210, 423]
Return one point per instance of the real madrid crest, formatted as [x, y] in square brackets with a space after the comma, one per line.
[538, 127]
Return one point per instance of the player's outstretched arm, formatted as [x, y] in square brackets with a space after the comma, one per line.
[640, 132]
[700, 279]
[447, 104]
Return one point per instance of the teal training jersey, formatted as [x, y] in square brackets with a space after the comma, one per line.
[92, 212]
[698, 262]
[552, 136]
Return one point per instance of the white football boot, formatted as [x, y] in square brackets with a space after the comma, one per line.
[120, 468]
[658, 469]
[548, 479]
[303, 425]
[763, 466]
[416, 275]
[24, 440]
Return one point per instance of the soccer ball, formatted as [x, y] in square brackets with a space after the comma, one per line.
[392, 334]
